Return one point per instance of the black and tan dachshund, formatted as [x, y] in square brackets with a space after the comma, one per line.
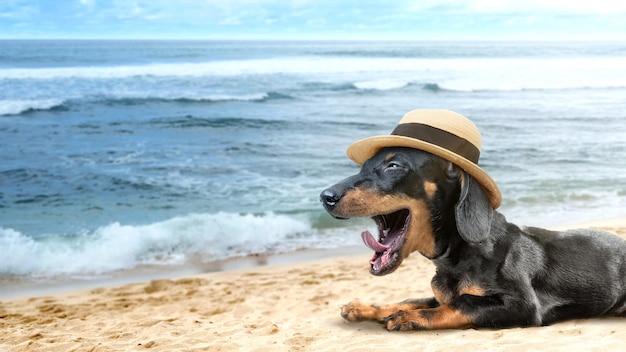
[490, 273]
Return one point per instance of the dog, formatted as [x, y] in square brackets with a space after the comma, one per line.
[489, 273]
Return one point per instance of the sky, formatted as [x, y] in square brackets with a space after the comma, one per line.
[310, 19]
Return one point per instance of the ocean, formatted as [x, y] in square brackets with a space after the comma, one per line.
[123, 155]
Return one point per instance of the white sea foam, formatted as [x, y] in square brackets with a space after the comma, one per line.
[190, 96]
[544, 74]
[452, 73]
[381, 84]
[16, 107]
[174, 241]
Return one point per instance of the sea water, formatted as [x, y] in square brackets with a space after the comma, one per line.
[120, 154]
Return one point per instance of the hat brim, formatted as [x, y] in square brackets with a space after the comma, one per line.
[364, 149]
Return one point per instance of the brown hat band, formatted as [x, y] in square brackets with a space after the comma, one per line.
[439, 138]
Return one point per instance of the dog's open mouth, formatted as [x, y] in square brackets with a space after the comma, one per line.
[392, 230]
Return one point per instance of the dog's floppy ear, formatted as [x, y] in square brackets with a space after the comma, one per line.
[473, 211]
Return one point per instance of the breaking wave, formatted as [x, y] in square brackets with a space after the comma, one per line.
[118, 247]
[17, 107]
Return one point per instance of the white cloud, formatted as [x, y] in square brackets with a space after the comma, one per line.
[550, 6]
[16, 10]
[588, 7]
[230, 21]
[154, 17]
[131, 10]
[317, 22]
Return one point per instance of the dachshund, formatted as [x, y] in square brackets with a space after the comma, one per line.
[489, 273]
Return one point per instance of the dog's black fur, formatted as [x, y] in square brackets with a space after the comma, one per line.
[490, 273]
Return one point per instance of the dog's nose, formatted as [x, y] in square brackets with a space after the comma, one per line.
[330, 197]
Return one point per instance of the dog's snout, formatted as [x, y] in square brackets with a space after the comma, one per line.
[330, 197]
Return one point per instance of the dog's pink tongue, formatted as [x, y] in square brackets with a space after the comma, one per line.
[371, 242]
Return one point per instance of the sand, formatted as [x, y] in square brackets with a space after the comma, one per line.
[287, 307]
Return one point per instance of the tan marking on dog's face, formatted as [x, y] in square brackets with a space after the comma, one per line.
[430, 188]
[367, 203]
[420, 234]
[389, 156]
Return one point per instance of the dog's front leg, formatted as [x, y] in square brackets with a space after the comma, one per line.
[357, 311]
[442, 317]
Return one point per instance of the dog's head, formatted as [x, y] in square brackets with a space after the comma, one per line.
[414, 197]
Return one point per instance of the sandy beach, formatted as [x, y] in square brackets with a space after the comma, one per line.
[285, 307]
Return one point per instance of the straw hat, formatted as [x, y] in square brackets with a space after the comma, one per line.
[444, 133]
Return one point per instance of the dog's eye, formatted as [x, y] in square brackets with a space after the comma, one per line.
[393, 166]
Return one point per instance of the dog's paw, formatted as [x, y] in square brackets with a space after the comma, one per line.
[402, 321]
[357, 311]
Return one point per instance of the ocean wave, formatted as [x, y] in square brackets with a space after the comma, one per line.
[375, 84]
[285, 65]
[486, 85]
[17, 107]
[433, 87]
[223, 122]
[381, 84]
[390, 84]
[330, 86]
[260, 97]
[204, 237]
[280, 65]
[191, 98]
[317, 65]
[380, 73]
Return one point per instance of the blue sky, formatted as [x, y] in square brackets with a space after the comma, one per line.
[309, 19]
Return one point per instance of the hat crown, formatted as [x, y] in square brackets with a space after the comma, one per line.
[445, 120]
